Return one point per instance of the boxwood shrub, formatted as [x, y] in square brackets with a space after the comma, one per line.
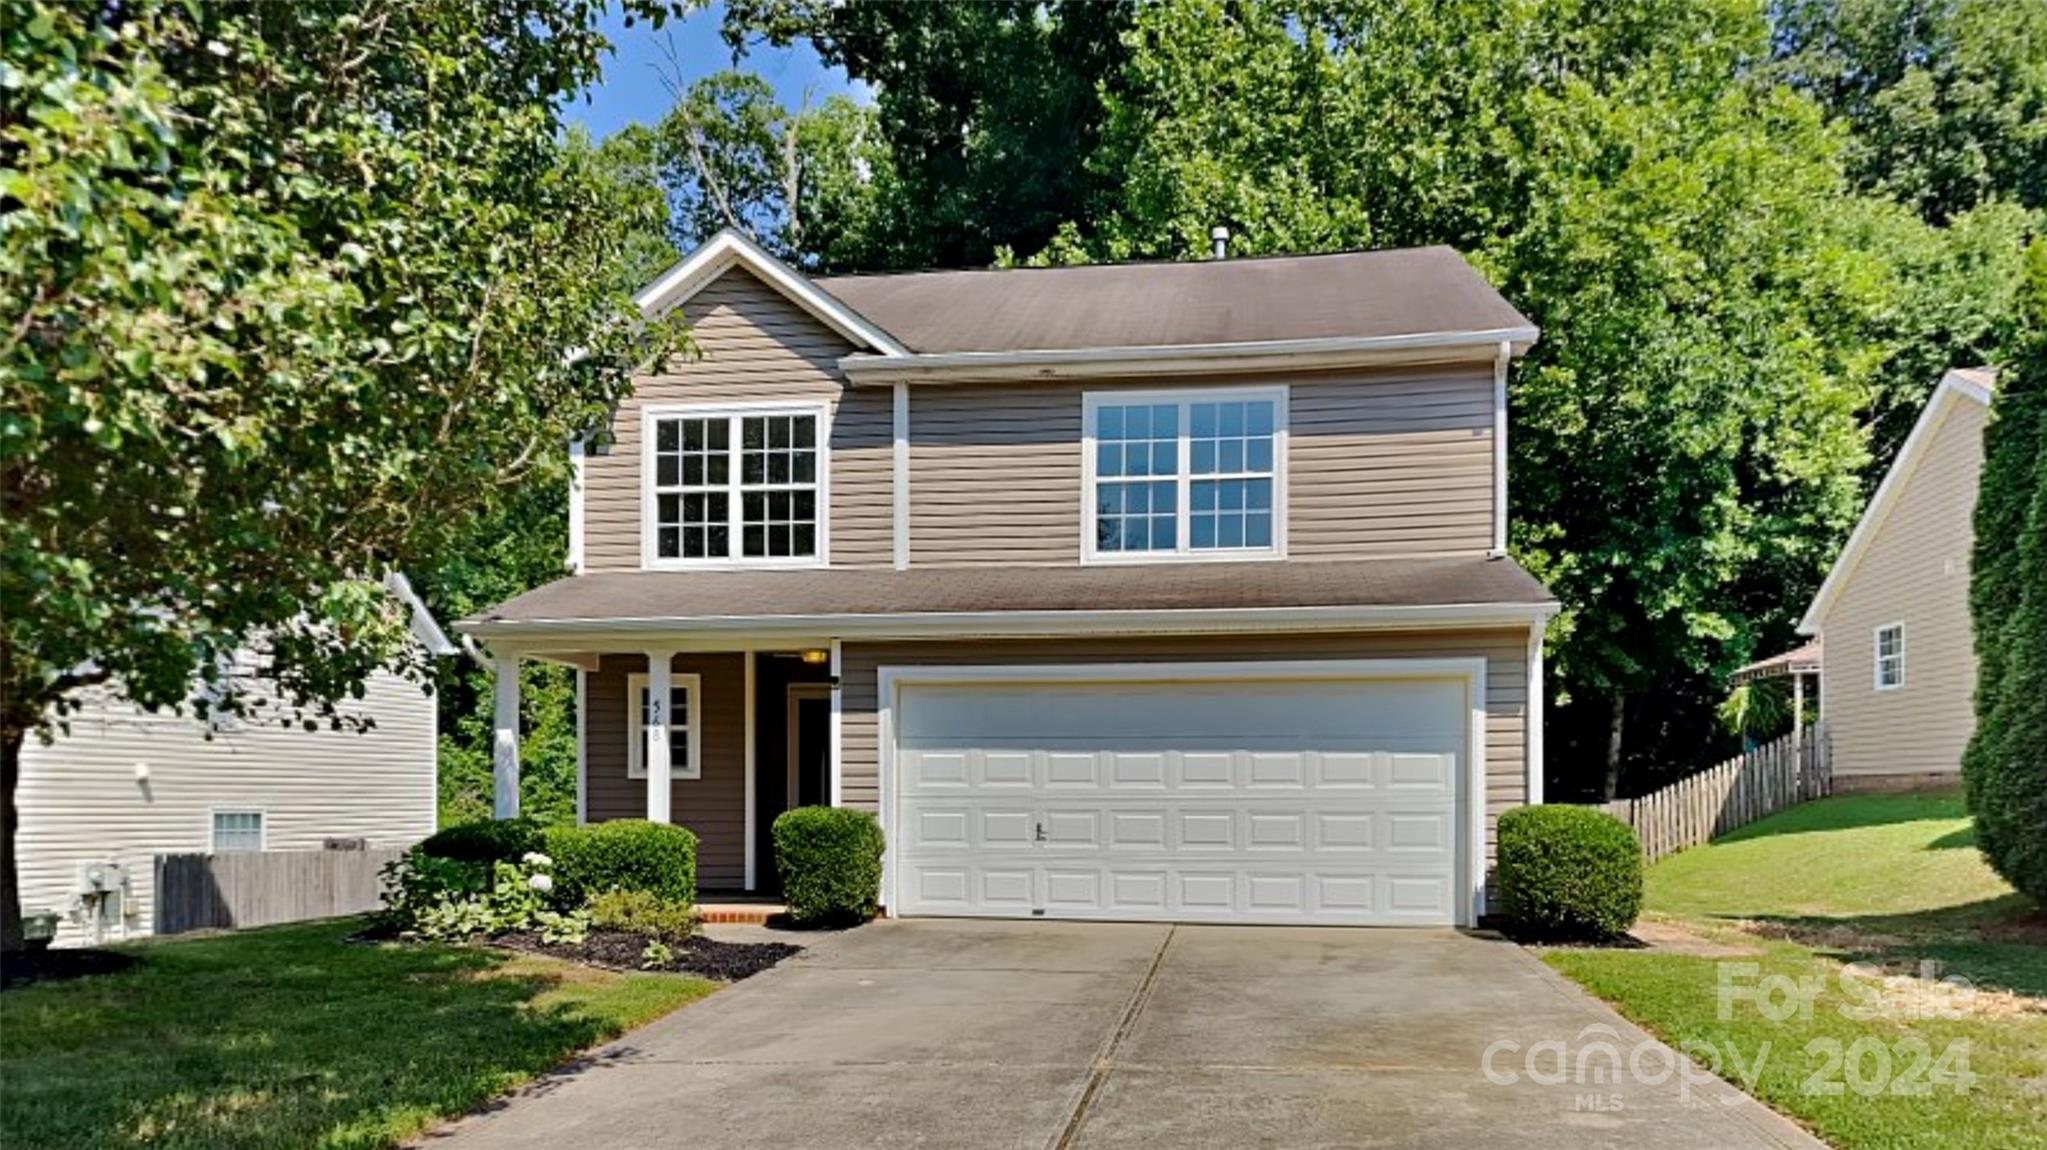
[626, 854]
[1568, 872]
[484, 841]
[830, 862]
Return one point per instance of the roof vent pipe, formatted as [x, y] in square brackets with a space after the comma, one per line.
[1219, 237]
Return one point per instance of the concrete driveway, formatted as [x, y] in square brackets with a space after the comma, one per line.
[958, 1034]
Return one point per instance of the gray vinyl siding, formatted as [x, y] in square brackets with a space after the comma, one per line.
[752, 345]
[1506, 690]
[713, 807]
[81, 802]
[1395, 462]
[1914, 570]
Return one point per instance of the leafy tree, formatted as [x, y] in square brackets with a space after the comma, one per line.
[291, 292]
[1946, 100]
[805, 184]
[989, 111]
[1721, 311]
[2005, 766]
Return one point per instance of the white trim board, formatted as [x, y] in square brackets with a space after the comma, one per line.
[695, 271]
[1953, 388]
[1184, 359]
[1471, 670]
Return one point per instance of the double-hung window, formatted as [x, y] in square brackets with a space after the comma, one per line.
[680, 715]
[1890, 657]
[237, 831]
[1195, 474]
[735, 487]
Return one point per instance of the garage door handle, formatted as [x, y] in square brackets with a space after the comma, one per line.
[1041, 832]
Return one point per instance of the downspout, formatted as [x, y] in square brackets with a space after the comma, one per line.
[1500, 361]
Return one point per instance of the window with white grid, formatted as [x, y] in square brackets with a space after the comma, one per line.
[737, 487]
[1195, 474]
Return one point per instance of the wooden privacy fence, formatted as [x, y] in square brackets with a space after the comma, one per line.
[1719, 799]
[257, 888]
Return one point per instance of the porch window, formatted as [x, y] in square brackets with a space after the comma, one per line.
[732, 487]
[1196, 474]
[683, 759]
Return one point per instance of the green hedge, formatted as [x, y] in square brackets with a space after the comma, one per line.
[626, 854]
[830, 862]
[484, 841]
[1568, 873]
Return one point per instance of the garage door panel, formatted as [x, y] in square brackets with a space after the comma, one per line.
[1319, 801]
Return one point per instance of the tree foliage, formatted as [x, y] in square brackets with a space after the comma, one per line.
[291, 292]
[989, 112]
[1946, 100]
[2005, 766]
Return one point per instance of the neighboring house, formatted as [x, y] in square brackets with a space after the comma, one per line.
[1152, 591]
[126, 785]
[1898, 677]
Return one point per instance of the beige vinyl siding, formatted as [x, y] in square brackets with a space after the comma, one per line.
[81, 802]
[713, 807]
[1390, 463]
[1506, 687]
[753, 345]
[1914, 570]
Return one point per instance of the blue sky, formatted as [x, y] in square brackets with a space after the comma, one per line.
[632, 90]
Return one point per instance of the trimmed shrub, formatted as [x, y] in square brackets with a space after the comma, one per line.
[1568, 873]
[640, 912]
[830, 862]
[484, 841]
[626, 854]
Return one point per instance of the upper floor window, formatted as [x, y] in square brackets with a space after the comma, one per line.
[1890, 656]
[1197, 474]
[735, 486]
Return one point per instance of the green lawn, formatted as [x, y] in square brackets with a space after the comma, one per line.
[1889, 881]
[289, 1037]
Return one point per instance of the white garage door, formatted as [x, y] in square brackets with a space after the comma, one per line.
[1301, 801]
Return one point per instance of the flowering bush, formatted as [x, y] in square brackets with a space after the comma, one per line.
[447, 900]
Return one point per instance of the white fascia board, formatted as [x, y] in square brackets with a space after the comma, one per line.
[1953, 388]
[978, 624]
[1181, 359]
[421, 621]
[690, 274]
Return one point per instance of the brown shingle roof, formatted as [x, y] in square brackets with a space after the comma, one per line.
[704, 597]
[1403, 292]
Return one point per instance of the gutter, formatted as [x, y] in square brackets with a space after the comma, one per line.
[960, 624]
[1180, 359]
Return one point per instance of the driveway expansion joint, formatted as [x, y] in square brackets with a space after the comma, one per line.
[1104, 1058]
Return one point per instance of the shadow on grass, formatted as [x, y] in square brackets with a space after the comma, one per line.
[279, 1037]
[1963, 837]
[1994, 943]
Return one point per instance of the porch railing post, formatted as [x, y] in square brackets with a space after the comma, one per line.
[504, 755]
[660, 677]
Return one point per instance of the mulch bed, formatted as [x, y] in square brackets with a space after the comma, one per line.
[621, 950]
[60, 965]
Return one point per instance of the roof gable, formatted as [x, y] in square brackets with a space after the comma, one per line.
[690, 275]
[1963, 385]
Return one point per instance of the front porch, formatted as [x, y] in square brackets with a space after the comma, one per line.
[746, 734]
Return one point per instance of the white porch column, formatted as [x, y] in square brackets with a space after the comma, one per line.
[504, 755]
[660, 677]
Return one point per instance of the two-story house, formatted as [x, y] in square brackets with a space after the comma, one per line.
[1150, 591]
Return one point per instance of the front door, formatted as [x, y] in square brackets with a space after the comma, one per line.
[809, 744]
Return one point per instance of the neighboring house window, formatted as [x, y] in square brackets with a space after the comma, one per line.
[1187, 474]
[683, 761]
[237, 831]
[736, 486]
[1890, 657]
